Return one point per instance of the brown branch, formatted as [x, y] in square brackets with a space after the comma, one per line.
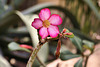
[33, 56]
[87, 57]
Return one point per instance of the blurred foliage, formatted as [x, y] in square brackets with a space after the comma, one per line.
[80, 45]
[79, 63]
[2, 3]
[87, 14]
[77, 42]
[15, 46]
[89, 45]
[3, 62]
[66, 55]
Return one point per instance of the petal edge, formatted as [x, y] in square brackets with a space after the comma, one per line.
[53, 31]
[43, 32]
[55, 19]
[37, 23]
[44, 14]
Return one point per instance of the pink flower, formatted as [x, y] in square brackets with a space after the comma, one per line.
[47, 23]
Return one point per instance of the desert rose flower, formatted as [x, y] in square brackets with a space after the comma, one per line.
[47, 23]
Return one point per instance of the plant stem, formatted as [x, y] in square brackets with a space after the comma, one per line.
[33, 56]
[34, 53]
[87, 57]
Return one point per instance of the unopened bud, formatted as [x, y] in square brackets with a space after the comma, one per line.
[26, 46]
[68, 33]
[64, 30]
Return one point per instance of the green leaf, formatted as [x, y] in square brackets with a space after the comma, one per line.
[13, 46]
[65, 55]
[88, 44]
[81, 35]
[79, 63]
[77, 42]
[66, 52]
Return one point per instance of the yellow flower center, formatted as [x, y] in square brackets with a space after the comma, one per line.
[46, 23]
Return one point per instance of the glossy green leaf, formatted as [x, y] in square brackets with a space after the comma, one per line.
[13, 46]
[66, 52]
[65, 55]
[88, 44]
[77, 42]
[79, 63]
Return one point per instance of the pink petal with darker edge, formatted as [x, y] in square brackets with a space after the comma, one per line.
[43, 32]
[44, 14]
[55, 19]
[37, 23]
[53, 31]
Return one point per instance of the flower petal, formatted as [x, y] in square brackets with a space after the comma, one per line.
[43, 32]
[53, 31]
[37, 23]
[55, 19]
[44, 14]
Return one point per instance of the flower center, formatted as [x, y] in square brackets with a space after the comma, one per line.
[46, 23]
